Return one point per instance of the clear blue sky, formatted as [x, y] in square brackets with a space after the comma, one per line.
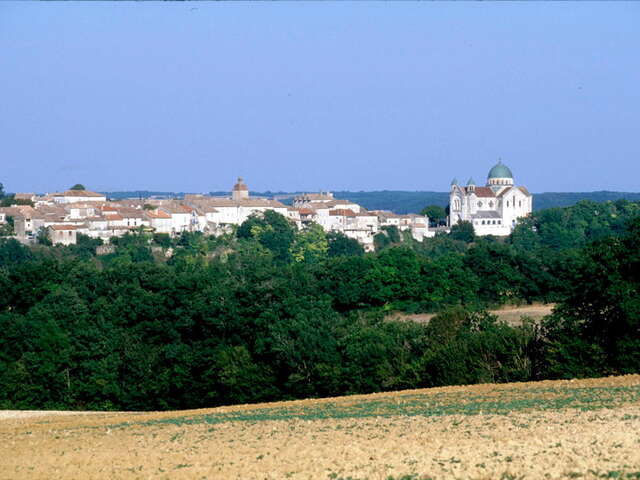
[308, 96]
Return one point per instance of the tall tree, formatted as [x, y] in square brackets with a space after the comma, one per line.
[272, 230]
[342, 246]
[436, 214]
[463, 231]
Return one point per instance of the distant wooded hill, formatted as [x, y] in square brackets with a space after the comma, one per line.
[407, 202]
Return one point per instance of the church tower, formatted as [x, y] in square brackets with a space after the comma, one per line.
[240, 191]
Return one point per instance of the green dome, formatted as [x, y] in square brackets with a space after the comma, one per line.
[500, 171]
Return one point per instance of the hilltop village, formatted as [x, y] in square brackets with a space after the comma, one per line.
[61, 216]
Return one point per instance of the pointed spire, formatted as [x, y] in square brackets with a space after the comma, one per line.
[454, 182]
[471, 182]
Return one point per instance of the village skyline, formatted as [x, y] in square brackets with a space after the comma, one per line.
[343, 96]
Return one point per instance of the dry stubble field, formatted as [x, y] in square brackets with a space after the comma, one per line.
[561, 429]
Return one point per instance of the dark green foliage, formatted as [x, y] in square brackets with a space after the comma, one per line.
[342, 246]
[6, 228]
[436, 214]
[272, 230]
[389, 235]
[85, 246]
[272, 313]
[13, 252]
[463, 231]
[42, 237]
[10, 200]
[393, 233]
[380, 241]
[475, 348]
[162, 239]
[78, 186]
[597, 326]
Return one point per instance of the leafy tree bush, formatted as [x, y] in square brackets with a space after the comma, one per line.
[265, 314]
[42, 237]
[596, 329]
[436, 214]
[272, 230]
[6, 228]
[339, 245]
[463, 231]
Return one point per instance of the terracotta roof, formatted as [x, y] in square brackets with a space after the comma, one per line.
[306, 211]
[177, 209]
[524, 190]
[77, 193]
[248, 202]
[483, 192]
[62, 227]
[385, 215]
[240, 185]
[342, 212]
[113, 217]
[310, 197]
[131, 213]
[158, 214]
[24, 196]
[208, 209]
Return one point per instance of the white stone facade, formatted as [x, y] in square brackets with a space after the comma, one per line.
[493, 209]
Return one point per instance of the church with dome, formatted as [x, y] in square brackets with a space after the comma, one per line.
[493, 209]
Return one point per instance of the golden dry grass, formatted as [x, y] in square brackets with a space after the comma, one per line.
[510, 314]
[565, 429]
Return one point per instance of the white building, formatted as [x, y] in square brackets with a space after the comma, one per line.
[493, 209]
[74, 196]
[62, 234]
[221, 212]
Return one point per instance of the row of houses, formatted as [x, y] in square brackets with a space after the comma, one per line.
[66, 214]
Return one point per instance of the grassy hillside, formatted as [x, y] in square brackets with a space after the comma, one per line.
[551, 429]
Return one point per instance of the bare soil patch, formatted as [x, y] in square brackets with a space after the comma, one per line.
[510, 314]
[562, 429]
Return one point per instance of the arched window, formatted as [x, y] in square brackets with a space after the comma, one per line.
[479, 204]
[499, 222]
[507, 203]
[519, 203]
[483, 222]
[491, 204]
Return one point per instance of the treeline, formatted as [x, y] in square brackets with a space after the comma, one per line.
[269, 312]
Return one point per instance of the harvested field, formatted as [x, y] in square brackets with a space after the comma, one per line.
[509, 314]
[561, 429]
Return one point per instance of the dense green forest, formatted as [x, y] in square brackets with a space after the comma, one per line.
[269, 312]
